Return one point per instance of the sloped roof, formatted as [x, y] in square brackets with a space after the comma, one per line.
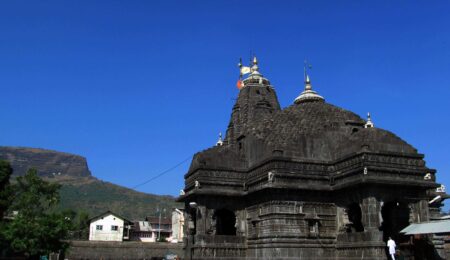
[142, 226]
[432, 227]
[112, 213]
[155, 220]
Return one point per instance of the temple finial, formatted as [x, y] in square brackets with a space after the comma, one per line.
[369, 122]
[306, 66]
[220, 141]
[307, 83]
[308, 94]
[255, 67]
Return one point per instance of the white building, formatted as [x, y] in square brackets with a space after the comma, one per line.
[142, 231]
[109, 227]
[177, 225]
[152, 228]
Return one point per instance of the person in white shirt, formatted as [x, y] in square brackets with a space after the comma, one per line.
[391, 245]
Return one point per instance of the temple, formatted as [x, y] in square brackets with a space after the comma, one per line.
[310, 181]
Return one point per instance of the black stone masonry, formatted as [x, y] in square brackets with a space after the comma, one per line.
[311, 181]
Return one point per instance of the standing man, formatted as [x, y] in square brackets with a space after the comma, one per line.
[391, 245]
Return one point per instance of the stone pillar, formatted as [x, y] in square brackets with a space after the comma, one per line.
[370, 209]
[201, 220]
[424, 211]
[241, 222]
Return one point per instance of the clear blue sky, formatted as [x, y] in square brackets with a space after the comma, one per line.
[138, 86]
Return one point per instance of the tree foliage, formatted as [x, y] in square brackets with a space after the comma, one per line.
[35, 230]
[5, 187]
[5, 198]
[33, 196]
[80, 228]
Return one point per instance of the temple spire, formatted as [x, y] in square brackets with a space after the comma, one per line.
[255, 68]
[369, 122]
[307, 83]
[220, 141]
[308, 94]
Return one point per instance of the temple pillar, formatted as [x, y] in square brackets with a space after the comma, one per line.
[371, 208]
[201, 220]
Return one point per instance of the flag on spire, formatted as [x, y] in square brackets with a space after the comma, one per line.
[243, 69]
[239, 83]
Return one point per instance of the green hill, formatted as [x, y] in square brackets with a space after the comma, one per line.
[81, 191]
[95, 197]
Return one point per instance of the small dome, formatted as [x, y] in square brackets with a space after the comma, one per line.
[308, 94]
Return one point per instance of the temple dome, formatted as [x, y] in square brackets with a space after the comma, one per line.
[321, 131]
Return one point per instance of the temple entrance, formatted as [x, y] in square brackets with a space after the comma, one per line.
[193, 222]
[355, 218]
[225, 222]
[395, 218]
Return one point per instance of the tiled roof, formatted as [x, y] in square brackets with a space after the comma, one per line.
[155, 220]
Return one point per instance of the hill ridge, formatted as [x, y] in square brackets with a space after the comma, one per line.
[81, 191]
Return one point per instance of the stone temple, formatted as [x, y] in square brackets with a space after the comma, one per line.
[311, 181]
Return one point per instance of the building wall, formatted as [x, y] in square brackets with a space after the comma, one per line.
[121, 250]
[177, 226]
[106, 234]
[144, 236]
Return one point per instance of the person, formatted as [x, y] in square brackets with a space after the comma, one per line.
[391, 245]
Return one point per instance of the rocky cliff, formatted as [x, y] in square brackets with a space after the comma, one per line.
[48, 163]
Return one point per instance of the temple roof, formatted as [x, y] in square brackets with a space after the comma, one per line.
[310, 129]
[321, 131]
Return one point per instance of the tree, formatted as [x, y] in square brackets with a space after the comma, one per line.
[5, 189]
[80, 225]
[35, 230]
[5, 200]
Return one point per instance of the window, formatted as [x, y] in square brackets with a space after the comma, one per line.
[313, 226]
[225, 222]
[99, 227]
[114, 228]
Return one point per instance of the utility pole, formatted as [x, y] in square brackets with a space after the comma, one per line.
[159, 225]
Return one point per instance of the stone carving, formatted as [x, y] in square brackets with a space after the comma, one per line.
[441, 188]
[270, 176]
[213, 223]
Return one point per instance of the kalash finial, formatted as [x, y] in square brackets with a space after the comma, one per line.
[255, 67]
[307, 83]
[308, 94]
[369, 122]
[220, 141]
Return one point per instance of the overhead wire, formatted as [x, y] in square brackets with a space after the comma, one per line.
[163, 172]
